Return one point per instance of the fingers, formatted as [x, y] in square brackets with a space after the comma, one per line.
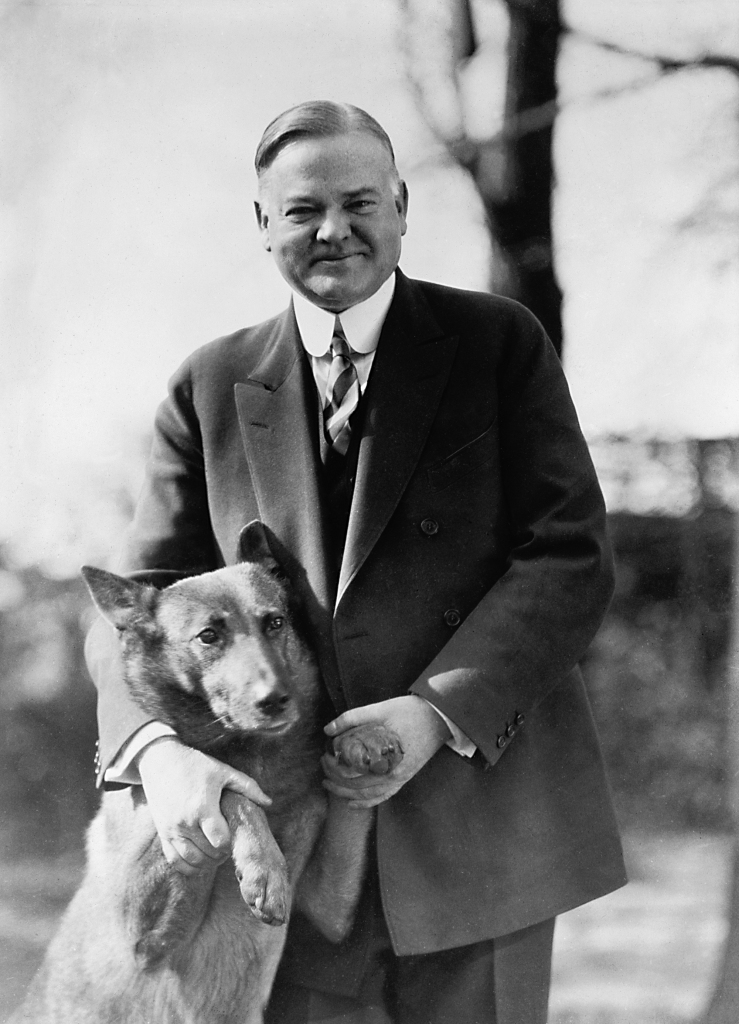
[240, 783]
[218, 836]
[349, 719]
[183, 789]
[348, 785]
[193, 827]
[187, 857]
[173, 858]
[184, 854]
[191, 847]
[334, 769]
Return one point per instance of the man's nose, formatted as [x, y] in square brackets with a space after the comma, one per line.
[334, 227]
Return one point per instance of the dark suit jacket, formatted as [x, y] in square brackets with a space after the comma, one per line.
[476, 572]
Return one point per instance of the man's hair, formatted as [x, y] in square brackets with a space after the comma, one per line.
[316, 119]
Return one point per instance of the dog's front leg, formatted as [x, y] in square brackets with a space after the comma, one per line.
[162, 908]
[260, 865]
[329, 890]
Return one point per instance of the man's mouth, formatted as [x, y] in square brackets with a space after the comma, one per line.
[338, 258]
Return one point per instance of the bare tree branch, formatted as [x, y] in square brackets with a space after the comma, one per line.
[666, 64]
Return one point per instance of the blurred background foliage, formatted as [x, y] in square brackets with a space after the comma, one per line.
[655, 671]
[47, 704]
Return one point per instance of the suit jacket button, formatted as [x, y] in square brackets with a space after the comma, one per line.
[519, 718]
[452, 617]
[501, 742]
[429, 527]
[509, 730]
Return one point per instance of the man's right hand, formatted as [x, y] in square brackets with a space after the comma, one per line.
[183, 789]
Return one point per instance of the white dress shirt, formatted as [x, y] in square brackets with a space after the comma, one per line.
[362, 325]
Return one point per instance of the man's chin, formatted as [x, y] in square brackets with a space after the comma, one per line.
[334, 292]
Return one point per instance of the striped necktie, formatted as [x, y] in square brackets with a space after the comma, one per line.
[342, 392]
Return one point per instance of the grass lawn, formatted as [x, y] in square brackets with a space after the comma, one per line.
[643, 955]
[648, 953]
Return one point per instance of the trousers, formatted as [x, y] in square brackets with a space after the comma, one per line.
[499, 981]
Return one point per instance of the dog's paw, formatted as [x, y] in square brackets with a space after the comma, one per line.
[368, 749]
[266, 891]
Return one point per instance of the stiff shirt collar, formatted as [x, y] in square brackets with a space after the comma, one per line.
[362, 323]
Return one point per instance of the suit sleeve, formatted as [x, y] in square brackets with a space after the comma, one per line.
[170, 537]
[535, 623]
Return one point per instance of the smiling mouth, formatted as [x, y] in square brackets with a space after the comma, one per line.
[338, 259]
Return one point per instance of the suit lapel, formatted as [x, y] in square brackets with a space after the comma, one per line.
[276, 419]
[408, 377]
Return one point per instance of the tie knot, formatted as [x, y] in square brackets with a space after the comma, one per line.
[339, 344]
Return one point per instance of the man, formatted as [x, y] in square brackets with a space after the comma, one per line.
[415, 456]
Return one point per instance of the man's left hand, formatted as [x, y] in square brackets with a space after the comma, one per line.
[420, 730]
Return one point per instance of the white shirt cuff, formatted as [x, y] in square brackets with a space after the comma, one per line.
[121, 769]
[459, 743]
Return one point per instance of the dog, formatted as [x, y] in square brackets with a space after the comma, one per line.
[223, 659]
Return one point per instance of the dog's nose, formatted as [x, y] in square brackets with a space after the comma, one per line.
[273, 704]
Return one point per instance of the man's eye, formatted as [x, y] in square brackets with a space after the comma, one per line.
[275, 624]
[299, 212]
[362, 205]
[207, 637]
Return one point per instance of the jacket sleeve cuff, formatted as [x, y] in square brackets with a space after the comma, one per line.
[122, 769]
[459, 742]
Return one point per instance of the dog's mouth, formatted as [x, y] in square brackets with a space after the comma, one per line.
[275, 728]
[260, 724]
[255, 724]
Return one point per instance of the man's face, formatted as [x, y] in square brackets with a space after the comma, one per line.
[332, 213]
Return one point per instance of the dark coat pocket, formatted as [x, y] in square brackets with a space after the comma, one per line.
[478, 452]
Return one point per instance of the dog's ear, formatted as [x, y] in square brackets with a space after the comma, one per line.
[116, 598]
[254, 547]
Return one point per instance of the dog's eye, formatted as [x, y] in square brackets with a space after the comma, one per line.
[275, 623]
[207, 637]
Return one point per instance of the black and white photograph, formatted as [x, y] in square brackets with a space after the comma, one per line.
[369, 520]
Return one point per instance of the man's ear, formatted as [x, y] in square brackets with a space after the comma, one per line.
[117, 599]
[401, 204]
[263, 224]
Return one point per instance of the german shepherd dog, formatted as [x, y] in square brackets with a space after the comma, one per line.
[221, 658]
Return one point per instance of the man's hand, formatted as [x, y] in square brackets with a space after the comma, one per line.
[183, 790]
[420, 730]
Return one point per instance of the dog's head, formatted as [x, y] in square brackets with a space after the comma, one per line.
[218, 656]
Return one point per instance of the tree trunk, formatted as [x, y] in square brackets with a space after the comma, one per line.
[724, 1005]
[514, 172]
